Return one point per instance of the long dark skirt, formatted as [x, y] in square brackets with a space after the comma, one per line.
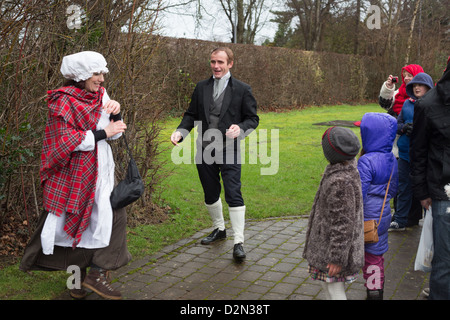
[111, 257]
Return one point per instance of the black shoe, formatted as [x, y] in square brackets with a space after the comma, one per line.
[375, 294]
[214, 236]
[238, 252]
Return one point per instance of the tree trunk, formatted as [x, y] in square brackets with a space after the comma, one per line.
[357, 17]
[240, 21]
[411, 30]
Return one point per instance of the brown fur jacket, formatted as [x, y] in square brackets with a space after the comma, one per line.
[335, 231]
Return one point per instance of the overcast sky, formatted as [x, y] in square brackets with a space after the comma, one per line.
[213, 26]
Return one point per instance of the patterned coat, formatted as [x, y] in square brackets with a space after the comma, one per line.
[68, 178]
[335, 231]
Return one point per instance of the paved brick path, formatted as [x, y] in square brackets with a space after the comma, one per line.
[274, 268]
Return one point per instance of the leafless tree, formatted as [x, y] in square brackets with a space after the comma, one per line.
[244, 18]
[34, 36]
[312, 17]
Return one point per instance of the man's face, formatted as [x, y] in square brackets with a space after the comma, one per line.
[219, 64]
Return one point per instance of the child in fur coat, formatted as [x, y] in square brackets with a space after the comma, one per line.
[334, 246]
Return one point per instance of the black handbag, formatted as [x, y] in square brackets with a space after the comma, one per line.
[129, 189]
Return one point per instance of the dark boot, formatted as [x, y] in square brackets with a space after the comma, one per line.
[79, 293]
[97, 281]
[214, 236]
[375, 294]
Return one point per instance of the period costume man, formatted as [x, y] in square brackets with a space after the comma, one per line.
[225, 109]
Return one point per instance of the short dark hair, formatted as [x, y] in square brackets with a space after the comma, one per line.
[227, 50]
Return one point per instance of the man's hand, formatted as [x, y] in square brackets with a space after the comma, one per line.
[233, 131]
[175, 137]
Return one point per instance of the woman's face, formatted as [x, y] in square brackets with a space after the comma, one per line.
[94, 83]
[407, 77]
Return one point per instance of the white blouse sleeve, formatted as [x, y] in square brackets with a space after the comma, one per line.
[106, 97]
[88, 143]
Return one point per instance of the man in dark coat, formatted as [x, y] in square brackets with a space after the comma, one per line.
[224, 110]
[430, 174]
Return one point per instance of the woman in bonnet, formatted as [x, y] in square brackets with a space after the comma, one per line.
[78, 226]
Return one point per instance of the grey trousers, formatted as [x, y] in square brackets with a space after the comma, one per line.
[111, 257]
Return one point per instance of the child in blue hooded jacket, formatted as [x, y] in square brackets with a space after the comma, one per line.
[415, 89]
[377, 166]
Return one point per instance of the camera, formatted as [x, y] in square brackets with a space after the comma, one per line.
[394, 79]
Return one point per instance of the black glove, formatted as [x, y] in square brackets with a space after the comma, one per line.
[407, 128]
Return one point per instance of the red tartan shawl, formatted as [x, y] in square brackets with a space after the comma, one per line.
[401, 95]
[68, 178]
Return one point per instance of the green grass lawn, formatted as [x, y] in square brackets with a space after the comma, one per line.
[288, 192]
[301, 162]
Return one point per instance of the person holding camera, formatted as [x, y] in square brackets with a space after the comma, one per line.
[392, 100]
[415, 89]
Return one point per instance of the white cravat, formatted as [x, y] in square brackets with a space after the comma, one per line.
[220, 84]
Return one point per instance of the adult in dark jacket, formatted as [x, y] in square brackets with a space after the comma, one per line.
[392, 100]
[225, 111]
[430, 173]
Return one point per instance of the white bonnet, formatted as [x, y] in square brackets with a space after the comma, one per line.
[82, 65]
